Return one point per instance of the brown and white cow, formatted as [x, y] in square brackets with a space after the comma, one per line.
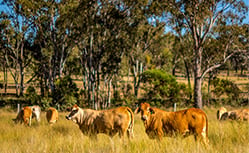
[220, 112]
[36, 112]
[238, 114]
[159, 123]
[91, 122]
[24, 115]
[52, 115]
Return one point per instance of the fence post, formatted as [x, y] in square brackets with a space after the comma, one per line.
[18, 108]
[174, 107]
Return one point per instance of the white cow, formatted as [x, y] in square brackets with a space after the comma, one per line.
[36, 112]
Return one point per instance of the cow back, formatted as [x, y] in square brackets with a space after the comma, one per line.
[52, 115]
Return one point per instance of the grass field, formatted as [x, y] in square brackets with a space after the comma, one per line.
[65, 136]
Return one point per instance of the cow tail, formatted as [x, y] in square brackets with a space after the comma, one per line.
[207, 141]
[207, 126]
[131, 124]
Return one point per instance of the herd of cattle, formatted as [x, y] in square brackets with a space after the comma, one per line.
[158, 123]
[28, 112]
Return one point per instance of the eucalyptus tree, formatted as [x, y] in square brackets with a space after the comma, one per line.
[145, 41]
[51, 43]
[100, 30]
[199, 17]
[15, 36]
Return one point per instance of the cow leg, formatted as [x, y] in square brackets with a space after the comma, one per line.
[200, 135]
[121, 135]
[130, 133]
[26, 122]
[30, 118]
[159, 134]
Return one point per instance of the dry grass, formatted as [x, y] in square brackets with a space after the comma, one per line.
[65, 136]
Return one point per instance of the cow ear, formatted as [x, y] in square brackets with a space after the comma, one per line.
[151, 111]
[137, 110]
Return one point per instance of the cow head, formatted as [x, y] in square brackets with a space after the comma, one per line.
[145, 110]
[74, 113]
[36, 111]
[220, 112]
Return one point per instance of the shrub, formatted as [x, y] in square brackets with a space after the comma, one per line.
[66, 93]
[163, 87]
[45, 102]
[226, 87]
[32, 96]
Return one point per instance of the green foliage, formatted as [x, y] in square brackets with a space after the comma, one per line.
[66, 93]
[45, 102]
[161, 86]
[225, 87]
[32, 96]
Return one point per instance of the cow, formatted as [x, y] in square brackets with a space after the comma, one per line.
[159, 123]
[244, 114]
[52, 115]
[24, 115]
[220, 112]
[238, 114]
[36, 112]
[112, 121]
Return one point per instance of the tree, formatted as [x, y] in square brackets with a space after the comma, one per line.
[15, 36]
[199, 19]
[163, 87]
[51, 43]
[100, 32]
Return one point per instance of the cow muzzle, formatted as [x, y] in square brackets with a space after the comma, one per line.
[68, 118]
[144, 118]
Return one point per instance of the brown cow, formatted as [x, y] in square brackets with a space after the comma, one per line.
[159, 123]
[52, 115]
[239, 114]
[91, 122]
[25, 115]
[244, 114]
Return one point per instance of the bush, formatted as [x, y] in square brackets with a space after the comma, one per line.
[226, 87]
[45, 103]
[162, 87]
[66, 93]
[32, 96]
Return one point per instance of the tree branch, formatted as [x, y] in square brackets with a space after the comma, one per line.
[217, 65]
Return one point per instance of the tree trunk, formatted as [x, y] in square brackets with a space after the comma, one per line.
[5, 78]
[42, 86]
[197, 93]
[188, 77]
[109, 93]
[197, 78]
[21, 79]
[137, 70]
[21, 67]
[210, 76]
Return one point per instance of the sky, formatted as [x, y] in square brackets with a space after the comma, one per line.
[246, 21]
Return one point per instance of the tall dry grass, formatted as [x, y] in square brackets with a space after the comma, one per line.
[65, 136]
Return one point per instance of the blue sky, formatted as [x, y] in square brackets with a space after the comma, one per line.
[4, 8]
[247, 16]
